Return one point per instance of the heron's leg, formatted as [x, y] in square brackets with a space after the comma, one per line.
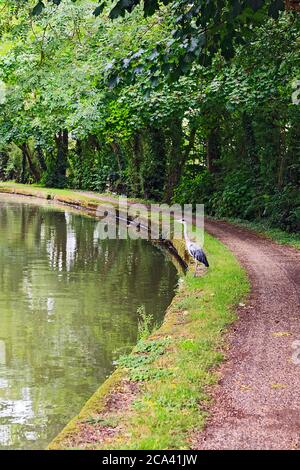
[196, 266]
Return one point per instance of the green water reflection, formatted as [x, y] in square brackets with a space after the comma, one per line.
[68, 306]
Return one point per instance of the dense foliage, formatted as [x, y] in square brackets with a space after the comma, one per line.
[125, 106]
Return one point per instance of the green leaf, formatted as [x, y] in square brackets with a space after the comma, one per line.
[255, 4]
[99, 9]
[114, 81]
[121, 7]
[37, 10]
[150, 6]
[275, 8]
[153, 55]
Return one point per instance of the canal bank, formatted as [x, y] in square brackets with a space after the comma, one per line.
[161, 392]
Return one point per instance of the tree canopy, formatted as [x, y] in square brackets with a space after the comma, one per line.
[147, 105]
[200, 29]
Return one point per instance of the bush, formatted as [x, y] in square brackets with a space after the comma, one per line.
[195, 189]
[283, 209]
[239, 195]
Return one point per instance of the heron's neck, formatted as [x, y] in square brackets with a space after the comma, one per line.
[185, 232]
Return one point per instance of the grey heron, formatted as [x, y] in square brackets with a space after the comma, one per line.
[194, 250]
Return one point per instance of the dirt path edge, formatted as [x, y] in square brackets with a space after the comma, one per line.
[256, 404]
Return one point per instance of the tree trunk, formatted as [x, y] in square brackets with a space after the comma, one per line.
[41, 158]
[62, 144]
[93, 142]
[137, 184]
[118, 154]
[32, 168]
[249, 137]
[79, 153]
[176, 160]
[213, 150]
[3, 164]
[282, 158]
[23, 169]
[154, 168]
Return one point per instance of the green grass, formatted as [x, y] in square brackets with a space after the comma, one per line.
[47, 193]
[54, 193]
[139, 362]
[263, 228]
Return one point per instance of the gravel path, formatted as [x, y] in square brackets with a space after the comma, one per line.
[257, 402]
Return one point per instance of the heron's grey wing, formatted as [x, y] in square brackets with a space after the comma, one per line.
[198, 254]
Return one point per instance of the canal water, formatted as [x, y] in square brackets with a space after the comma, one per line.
[68, 309]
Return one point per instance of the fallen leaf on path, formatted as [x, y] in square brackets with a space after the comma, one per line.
[278, 385]
[245, 388]
[281, 333]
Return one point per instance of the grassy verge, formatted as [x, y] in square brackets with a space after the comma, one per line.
[263, 228]
[169, 374]
[174, 368]
[60, 195]
[175, 397]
